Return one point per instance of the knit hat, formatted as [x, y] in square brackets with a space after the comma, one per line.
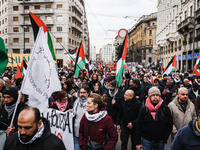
[12, 91]
[154, 91]
[113, 83]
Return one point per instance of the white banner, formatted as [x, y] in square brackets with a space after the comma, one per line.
[61, 126]
[41, 79]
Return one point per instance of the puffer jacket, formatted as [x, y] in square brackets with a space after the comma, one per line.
[180, 118]
[47, 141]
[187, 138]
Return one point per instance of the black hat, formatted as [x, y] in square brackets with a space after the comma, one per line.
[113, 83]
[109, 78]
[12, 91]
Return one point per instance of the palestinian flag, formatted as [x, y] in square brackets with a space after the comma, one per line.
[138, 66]
[38, 23]
[23, 68]
[121, 61]
[80, 60]
[115, 65]
[100, 65]
[3, 56]
[171, 66]
[196, 68]
[19, 74]
[72, 54]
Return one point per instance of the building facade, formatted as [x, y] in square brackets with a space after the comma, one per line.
[92, 53]
[142, 40]
[106, 53]
[177, 21]
[66, 21]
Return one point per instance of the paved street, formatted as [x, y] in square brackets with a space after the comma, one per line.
[118, 146]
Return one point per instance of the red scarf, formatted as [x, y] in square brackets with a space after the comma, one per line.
[151, 107]
[61, 106]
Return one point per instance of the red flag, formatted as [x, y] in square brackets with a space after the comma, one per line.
[152, 81]
[115, 66]
[100, 64]
[19, 74]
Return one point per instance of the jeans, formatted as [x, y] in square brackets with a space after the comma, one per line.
[76, 143]
[148, 145]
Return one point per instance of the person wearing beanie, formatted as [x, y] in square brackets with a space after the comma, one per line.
[113, 100]
[138, 90]
[10, 95]
[154, 123]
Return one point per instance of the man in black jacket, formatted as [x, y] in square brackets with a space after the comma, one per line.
[33, 133]
[113, 100]
[154, 123]
[128, 115]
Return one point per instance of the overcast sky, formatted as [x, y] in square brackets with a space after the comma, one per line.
[106, 17]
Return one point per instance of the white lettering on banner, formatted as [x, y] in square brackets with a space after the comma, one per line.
[61, 125]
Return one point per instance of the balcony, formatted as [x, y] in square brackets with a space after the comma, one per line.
[185, 25]
[77, 18]
[39, 12]
[35, 1]
[76, 27]
[77, 7]
[198, 14]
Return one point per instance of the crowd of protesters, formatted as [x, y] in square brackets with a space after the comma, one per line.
[149, 112]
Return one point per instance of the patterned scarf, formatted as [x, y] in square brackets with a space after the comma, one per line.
[61, 106]
[10, 109]
[79, 102]
[96, 117]
[153, 108]
[36, 136]
[113, 93]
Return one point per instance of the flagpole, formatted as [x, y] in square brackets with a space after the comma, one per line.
[63, 47]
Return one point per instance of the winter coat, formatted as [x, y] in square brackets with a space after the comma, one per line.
[138, 92]
[191, 95]
[146, 86]
[187, 138]
[180, 118]
[47, 141]
[113, 109]
[5, 120]
[98, 132]
[103, 90]
[129, 112]
[154, 130]
[197, 105]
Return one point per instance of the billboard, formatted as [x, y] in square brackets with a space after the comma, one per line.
[13, 59]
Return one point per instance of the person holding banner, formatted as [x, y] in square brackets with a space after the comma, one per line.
[96, 125]
[10, 95]
[33, 133]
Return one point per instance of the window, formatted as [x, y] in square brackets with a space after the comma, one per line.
[15, 40]
[59, 28]
[26, 7]
[15, 8]
[16, 51]
[59, 51]
[70, 20]
[37, 7]
[5, 9]
[47, 6]
[26, 29]
[6, 30]
[70, 8]
[26, 18]
[150, 41]
[150, 32]
[26, 40]
[48, 18]
[2, 21]
[6, 41]
[191, 11]
[58, 40]
[27, 51]
[59, 18]
[6, 20]
[59, 6]
[49, 28]
[15, 19]
[70, 41]
[15, 29]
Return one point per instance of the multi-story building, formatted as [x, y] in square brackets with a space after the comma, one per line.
[106, 53]
[177, 21]
[142, 40]
[92, 53]
[66, 21]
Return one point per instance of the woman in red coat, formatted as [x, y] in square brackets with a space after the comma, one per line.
[100, 124]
